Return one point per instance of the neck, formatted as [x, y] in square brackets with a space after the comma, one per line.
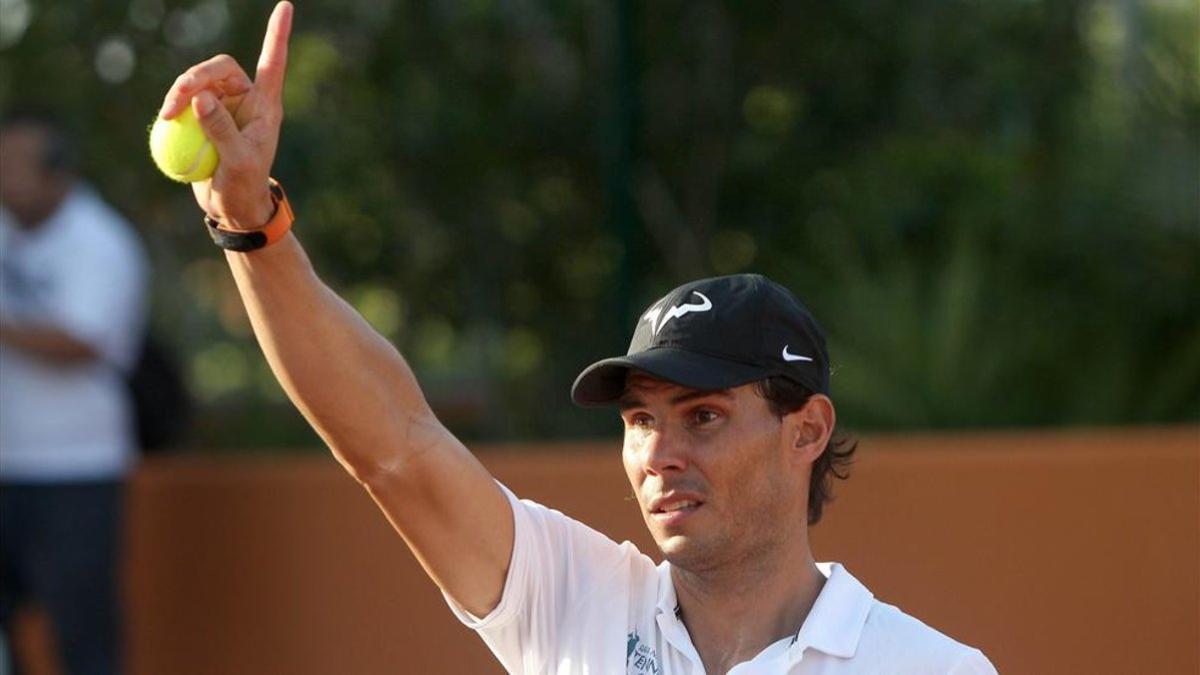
[33, 216]
[733, 614]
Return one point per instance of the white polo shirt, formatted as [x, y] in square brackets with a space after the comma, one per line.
[82, 271]
[577, 602]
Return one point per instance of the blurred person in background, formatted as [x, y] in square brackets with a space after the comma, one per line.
[72, 296]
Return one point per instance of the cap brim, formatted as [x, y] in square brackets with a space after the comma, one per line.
[603, 382]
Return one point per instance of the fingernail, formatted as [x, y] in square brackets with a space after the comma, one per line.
[204, 103]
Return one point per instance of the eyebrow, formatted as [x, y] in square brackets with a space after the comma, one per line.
[626, 402]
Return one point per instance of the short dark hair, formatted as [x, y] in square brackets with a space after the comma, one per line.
[60, 152]
[785, 396]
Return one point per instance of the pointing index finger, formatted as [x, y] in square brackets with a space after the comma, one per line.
[272, 62]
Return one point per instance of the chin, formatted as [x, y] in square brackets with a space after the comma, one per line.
[675, 544]
[686, 552]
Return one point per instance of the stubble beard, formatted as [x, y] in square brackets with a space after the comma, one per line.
[733, 547]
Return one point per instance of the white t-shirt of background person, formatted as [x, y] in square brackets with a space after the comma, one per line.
[577, 602]
[82, 271]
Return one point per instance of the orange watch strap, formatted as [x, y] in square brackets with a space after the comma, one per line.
[251, 240]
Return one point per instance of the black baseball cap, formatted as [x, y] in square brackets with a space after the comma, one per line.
[716, 334]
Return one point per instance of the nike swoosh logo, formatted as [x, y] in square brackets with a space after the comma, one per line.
[657, 319]
[793, 357]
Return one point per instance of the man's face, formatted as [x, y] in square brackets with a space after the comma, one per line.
[711, 471]
[27, 188]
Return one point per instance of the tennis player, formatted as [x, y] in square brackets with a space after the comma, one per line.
[729, 447]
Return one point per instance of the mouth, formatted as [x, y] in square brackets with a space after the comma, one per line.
[673, 508]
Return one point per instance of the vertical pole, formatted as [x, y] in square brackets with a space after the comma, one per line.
[620, 140]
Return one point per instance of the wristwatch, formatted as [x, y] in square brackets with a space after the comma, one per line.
[252, 240]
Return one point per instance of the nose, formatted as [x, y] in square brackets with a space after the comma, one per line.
[663, 452]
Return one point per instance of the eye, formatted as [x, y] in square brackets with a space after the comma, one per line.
[639, 421]
[704, 416]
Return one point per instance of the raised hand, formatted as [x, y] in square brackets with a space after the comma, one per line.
[242, 120]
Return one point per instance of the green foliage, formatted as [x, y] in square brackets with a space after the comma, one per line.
[994, 207]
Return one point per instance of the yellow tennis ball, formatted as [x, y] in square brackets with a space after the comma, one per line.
[180, 148]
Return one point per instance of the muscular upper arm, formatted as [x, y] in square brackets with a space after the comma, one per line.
[451, 512]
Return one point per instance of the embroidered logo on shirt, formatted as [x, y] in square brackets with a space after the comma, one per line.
[640, 658]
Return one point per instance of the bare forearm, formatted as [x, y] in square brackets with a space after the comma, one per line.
[351, 385]
[348, 381]
[46, 342]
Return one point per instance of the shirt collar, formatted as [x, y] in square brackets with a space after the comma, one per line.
[668, 602]
[835, 623]
[667, 616]
[63, 215]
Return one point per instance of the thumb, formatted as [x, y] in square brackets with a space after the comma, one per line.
[218, 124]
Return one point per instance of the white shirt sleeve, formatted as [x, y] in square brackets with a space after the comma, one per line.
[974, 663]
[557, 564]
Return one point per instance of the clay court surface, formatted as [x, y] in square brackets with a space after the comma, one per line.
[1055, 552]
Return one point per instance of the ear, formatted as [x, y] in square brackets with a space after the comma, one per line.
[809, 428]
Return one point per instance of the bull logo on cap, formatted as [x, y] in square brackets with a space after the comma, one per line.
[657, 319]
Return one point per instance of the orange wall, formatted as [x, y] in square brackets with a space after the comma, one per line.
[1055, 552]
